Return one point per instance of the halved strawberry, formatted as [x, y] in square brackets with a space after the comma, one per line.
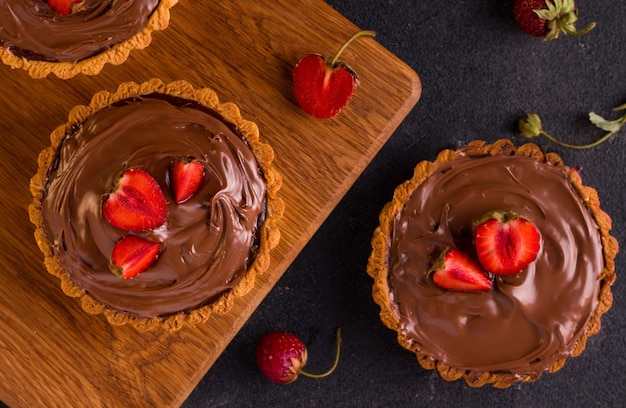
[132, 255]
[187, 177]
[324, 87]
[506, 243]
[136, 202]
[63, 7]
[457, 270]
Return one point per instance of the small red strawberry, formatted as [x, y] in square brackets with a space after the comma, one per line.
[186, 179]
[323, 87]
[282, 355]
[506, 243]
[546, 18]
[63, 7]
[458, 271]
[132, 255]
[136, 202]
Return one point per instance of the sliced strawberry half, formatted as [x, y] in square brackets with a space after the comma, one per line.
[132, 255]
[458, 271]
[323, 87]
[187, 176]
[136, 202]
[63, 7]
[506, 243]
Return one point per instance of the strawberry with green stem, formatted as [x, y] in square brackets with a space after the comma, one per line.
[136, 202]
[531, 126]
[546, 18]
[324, 87]
[281, 356]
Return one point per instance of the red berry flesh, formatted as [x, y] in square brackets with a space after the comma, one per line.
[136, 202]
[456, 270]
[506, 243]
[133, 255]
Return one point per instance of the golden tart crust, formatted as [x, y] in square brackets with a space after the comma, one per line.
[269, 230]
[378, 263]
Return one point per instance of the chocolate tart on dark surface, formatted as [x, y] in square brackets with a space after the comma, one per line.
[528, 323]
[213, 245]
[41, 41]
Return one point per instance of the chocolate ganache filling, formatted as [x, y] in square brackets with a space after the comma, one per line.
[32, 30]
[528, 320]
[209, 241]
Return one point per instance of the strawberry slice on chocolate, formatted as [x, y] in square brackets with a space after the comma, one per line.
[132, 255]
[456, 270]
[506, 243]
[187, 176]
[63, 7]
[136, 202]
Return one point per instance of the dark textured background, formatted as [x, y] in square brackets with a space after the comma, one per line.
[480, 74]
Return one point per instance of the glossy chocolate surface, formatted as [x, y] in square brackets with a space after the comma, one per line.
[209, 240]
[527, 321]
[31, 29]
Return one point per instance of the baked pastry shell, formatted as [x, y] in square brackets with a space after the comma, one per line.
[269, 231]
[377, 266]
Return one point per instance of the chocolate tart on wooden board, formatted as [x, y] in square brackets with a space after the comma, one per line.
[95, 33]
[528, 323]
[212, 245]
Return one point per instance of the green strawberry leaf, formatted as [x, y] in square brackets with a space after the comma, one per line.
[608, 125]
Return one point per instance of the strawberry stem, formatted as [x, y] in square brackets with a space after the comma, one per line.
[335, 58]
[531, 127]
[574, 33]
[306, 374]
[571, 146]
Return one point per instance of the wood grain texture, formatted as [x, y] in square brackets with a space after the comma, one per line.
[54, 354]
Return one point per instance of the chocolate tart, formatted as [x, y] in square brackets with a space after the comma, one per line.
[214, 244]
[96, 33]
[528, 323]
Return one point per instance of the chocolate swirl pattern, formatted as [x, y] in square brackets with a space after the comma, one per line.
[528, 323]
[209, 241]
[530, 319]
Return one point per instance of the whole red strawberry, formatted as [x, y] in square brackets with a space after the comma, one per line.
[324, 87]
[546, 18]
[506, 243]
[282, 355]
[458, 271]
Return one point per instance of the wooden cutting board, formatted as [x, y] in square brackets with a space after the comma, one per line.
[54, 354]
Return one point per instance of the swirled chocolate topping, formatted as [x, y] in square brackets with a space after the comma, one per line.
[528, 320]
[209, 240]
[31, 29]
